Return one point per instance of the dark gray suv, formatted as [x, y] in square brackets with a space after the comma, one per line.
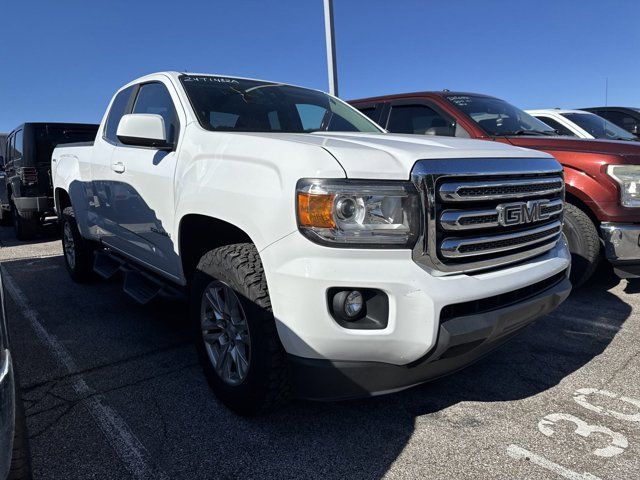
[14, 449]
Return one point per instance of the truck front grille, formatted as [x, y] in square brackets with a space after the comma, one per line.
[476, 221]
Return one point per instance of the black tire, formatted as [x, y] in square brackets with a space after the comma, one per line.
[266, 385]
[80, 249]
[26, 225]
[21, 457]
[7, 218]
[584, 244]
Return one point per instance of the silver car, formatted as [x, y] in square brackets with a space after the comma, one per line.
[14, 451]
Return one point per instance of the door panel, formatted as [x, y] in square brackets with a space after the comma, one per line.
[140, 190]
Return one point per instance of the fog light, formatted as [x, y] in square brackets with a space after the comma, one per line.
[349, 305]
[361, 309]
[353, 304]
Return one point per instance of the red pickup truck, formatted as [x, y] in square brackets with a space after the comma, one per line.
[602, 177]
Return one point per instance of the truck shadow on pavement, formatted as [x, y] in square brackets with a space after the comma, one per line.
[190, 434]
[48, 231]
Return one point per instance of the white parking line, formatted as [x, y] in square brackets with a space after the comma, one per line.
[128, 448]
[519, 453]
[586, 321]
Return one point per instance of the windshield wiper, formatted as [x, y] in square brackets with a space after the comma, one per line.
[626, 139]
[530, 132]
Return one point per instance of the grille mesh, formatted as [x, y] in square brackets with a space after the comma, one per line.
[479, 219]
[511, 189]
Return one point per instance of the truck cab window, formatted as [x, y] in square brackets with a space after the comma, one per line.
[155, 98]
[421, 120]
[118, 109]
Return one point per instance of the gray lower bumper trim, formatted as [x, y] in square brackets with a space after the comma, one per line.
[461, 341]
[33, 204]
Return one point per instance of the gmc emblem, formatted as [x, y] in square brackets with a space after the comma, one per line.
[510, 214]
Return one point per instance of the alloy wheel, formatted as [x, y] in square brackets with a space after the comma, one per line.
[69, 245]
[225, 332]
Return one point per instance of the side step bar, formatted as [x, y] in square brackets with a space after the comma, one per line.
[140, 285]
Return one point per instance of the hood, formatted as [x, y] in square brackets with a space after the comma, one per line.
[609, 147]
[392, 156]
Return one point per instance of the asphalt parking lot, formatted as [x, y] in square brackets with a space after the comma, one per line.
[114, 390]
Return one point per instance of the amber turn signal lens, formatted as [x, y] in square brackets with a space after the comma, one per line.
[315, 210]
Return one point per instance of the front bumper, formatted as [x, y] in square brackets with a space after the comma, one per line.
[461, 341]
[622, 247]
[33, 204]
[300, 274]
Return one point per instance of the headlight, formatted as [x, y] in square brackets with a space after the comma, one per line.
[628, 177]
[352, 213]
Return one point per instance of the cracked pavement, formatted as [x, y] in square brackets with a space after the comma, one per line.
[138, 363]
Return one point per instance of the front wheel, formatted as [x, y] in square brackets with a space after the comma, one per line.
[78, 252]
[584, 244]
[238, 345]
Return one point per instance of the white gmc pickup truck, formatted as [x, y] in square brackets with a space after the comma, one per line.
[322, 256]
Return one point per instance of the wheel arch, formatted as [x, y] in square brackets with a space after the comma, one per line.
[578, 202]
[61, 200]
[198, 234]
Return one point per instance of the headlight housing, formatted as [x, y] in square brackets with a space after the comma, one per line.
[628, 177]
[358, 213]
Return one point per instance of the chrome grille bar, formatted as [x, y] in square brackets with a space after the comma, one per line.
[473, 191]
[488, 218]
[471, 246]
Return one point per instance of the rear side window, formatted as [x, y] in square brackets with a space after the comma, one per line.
[557, 126]
[48, 138]
[155, 98]
[18, 146]
[118, 109]
[8, 149]
[420, 120]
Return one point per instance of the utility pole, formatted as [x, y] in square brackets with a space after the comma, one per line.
[331, 47]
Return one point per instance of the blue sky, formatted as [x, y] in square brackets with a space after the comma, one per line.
[63, 60]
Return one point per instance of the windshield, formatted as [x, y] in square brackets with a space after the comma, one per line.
[237, 105]
[497, 117]
[598, 127]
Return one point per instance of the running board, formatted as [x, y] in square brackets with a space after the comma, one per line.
[140, 285]
[106, 265]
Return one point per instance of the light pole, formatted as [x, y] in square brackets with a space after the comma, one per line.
[331, 47]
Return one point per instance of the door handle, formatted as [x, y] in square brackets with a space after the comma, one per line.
[117, 167]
